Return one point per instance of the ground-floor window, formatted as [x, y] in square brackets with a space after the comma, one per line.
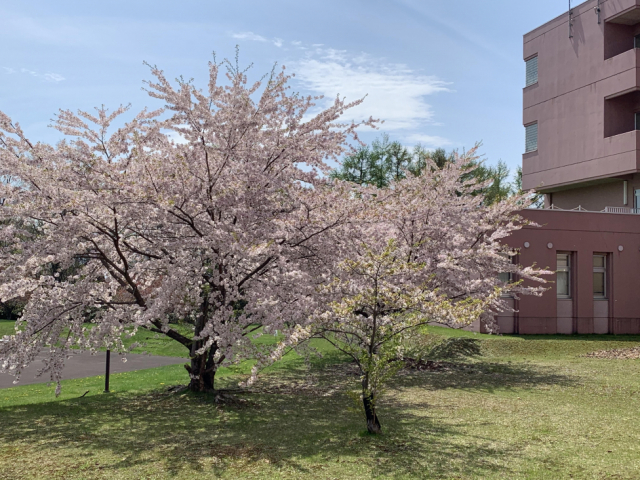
[563, 275]
[599, 276]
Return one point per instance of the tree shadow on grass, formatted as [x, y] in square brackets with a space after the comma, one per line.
[301, 434]
[580, 338]
[485, 376]
[305, 429]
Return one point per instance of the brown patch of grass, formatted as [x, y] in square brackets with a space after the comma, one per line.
[616, 354]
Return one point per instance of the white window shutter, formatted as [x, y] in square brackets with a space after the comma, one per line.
[532, 71]
[531, 137]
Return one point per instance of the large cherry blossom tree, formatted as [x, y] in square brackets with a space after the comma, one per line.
[211, 211]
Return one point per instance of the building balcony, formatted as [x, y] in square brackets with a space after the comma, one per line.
[621, 113]
[594, 158]
[621, 27]
[624, 62]
[610, 210]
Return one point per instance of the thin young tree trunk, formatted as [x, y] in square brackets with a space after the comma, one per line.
[373, 424]
[368, 395]
[368, 400]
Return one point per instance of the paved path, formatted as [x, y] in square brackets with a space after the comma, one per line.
[87, 365]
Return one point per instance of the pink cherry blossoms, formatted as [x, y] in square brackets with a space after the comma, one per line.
[216, 212]
[220, 229]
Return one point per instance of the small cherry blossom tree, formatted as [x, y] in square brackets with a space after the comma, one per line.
[424, 250]
[211, 211]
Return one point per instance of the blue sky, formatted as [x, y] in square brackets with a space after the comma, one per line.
[443, 73]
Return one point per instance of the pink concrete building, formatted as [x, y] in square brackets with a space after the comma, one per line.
[582, 151]
[597, 259]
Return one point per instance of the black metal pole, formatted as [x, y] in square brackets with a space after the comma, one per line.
[106, 377]
[570, 21]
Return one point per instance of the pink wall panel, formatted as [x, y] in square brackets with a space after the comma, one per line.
[583, 234]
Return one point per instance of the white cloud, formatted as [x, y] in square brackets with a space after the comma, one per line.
[53, 77]
[50, 77]
[429, 141]
[254, 37]
[298, 45]
[394, 92]
[249, 36]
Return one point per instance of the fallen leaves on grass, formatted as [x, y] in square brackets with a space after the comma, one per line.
[617, 354]
[431, 365]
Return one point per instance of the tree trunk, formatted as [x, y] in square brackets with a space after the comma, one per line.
[202, 372]
[203, 368]
[373, 424]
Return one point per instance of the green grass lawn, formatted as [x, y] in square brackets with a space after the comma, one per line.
[6, 327]
[530, 407]
[153, 343]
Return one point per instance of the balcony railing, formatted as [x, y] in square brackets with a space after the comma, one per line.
[617, 210]
[627, 210]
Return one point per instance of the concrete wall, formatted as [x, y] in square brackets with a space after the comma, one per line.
[593, 197]
[583, 234]
[506, 320]
[576, 78]
[608, 193]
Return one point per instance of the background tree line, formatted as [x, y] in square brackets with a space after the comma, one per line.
[386, 161]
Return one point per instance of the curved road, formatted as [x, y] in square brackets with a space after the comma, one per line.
[87, 365]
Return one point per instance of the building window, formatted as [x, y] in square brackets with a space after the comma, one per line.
[532, 70]
[504, 277]
[636, 41]
[637, 120]
[531, 137]
[599, 276]
[563, 275]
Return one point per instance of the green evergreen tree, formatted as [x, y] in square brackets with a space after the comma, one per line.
[538, 198]
[385, 161]
[500, 187]
[378, 164]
